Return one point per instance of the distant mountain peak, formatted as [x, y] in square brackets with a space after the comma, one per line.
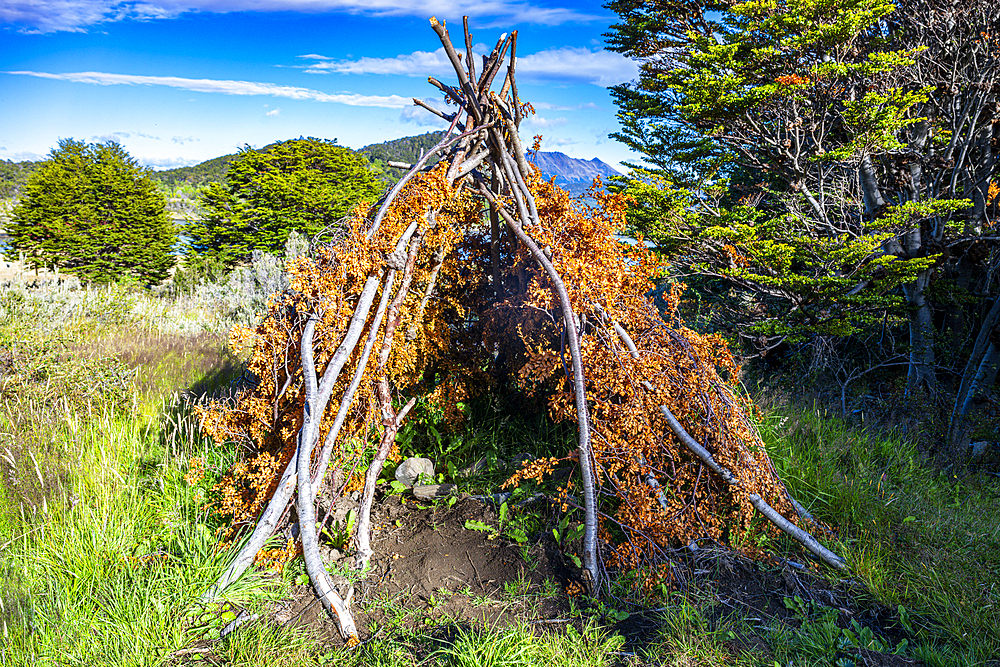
[571, 170]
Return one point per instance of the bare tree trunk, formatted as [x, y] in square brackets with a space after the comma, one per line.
[921, 371]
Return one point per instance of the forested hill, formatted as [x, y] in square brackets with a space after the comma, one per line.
[13, 176]
[213, 170]
[404, 149]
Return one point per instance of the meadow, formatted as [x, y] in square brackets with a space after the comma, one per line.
[108, 538]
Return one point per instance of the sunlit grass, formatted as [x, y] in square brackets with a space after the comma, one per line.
[915, 537]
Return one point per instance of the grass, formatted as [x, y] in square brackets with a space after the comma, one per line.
[926, 540]
[105, 548]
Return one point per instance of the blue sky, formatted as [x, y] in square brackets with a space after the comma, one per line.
[177, 82]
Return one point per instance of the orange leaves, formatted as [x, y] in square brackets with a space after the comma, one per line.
[461, 335]
[792, 80]
[196, 471]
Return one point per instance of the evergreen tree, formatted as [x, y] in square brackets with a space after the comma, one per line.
[828, 158]
[305, 185]
[94, 212]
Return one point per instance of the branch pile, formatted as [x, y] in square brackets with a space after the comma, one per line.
[470, 274]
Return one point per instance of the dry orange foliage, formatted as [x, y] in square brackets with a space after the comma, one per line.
[466, 339]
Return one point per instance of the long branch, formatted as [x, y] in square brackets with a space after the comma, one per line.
[580, 389]
[761, 505]
[328, 595]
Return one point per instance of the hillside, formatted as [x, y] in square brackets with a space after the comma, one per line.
[13, 176]
[404, 149]
[213, 170]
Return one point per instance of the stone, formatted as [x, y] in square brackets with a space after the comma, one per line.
[432, 491]
[410, 470]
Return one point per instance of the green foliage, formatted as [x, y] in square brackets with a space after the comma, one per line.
[756, 116]
[820, 641]
[304, 185]
[91, 210]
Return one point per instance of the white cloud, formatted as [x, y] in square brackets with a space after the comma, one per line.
[577, 64]
[77, 15]
[418, 63]
[562, 107]
[540, 121]
[183, 140]
[21, 156]
[273, 112]
[225, 87]
[567, 64]
[160, 163]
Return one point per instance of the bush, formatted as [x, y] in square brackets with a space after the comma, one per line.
[91, 210]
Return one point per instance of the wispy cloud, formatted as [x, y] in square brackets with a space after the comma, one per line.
[20, 156]
[418, 63]
[118, 136]
[564, 107]
[567, 64]
[578, 65]
[422, 117]
[273, 112]
[224, 87]
[183, 140]
[542, 122]
[158, 163]
[77, 15]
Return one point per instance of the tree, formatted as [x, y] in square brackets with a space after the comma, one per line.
[305, 185]
[91, 210]
[839, 153]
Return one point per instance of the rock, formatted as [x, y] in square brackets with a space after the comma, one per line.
[518, 460]
[475, 468]
[432, 491]
[410, 470]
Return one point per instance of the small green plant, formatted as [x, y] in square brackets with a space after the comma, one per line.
[819, 640]
[339, 536]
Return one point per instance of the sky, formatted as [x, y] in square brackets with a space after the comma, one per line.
[177, 82]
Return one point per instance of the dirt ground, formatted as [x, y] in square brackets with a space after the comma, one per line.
[431, 571]
[426, 559]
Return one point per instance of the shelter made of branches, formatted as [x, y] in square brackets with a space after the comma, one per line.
[471, 273]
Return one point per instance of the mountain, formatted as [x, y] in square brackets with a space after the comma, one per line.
[572, 174]
[569, 170]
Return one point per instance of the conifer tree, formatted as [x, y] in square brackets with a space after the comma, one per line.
[305, 185]
[94, 212]
[831, 159]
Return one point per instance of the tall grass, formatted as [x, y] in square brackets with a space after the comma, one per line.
[916, 537]
[105, 547]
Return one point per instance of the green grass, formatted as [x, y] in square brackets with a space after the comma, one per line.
[104, 547]
[915, 537]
